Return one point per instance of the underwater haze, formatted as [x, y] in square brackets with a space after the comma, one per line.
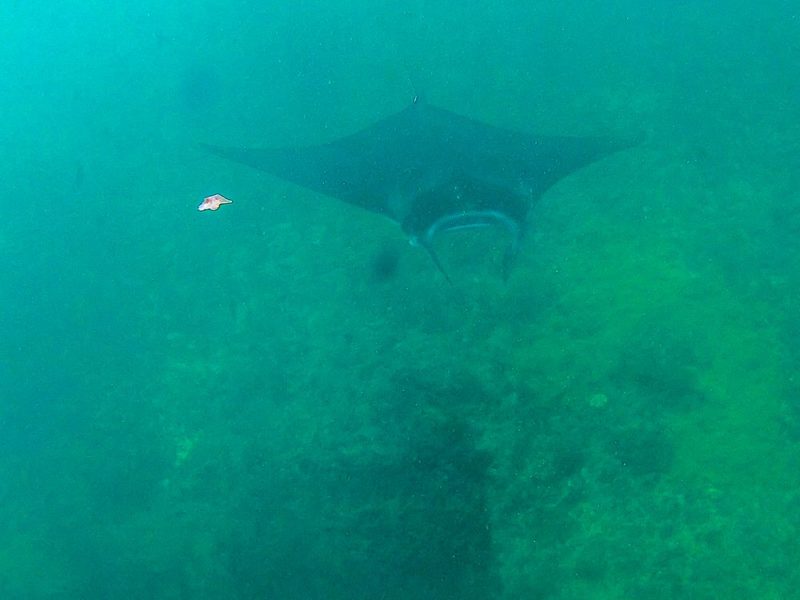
[284, 400]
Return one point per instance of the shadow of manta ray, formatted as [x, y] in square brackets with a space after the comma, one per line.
[432, 171]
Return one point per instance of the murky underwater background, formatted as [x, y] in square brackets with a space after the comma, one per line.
[284, 400]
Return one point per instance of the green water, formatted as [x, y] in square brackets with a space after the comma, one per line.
[231, 405]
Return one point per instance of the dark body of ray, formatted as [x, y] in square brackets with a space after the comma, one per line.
[432, 170]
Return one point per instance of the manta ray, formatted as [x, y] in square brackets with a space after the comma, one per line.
[433, 171]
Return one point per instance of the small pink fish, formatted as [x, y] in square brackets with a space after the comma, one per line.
[214, 202]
